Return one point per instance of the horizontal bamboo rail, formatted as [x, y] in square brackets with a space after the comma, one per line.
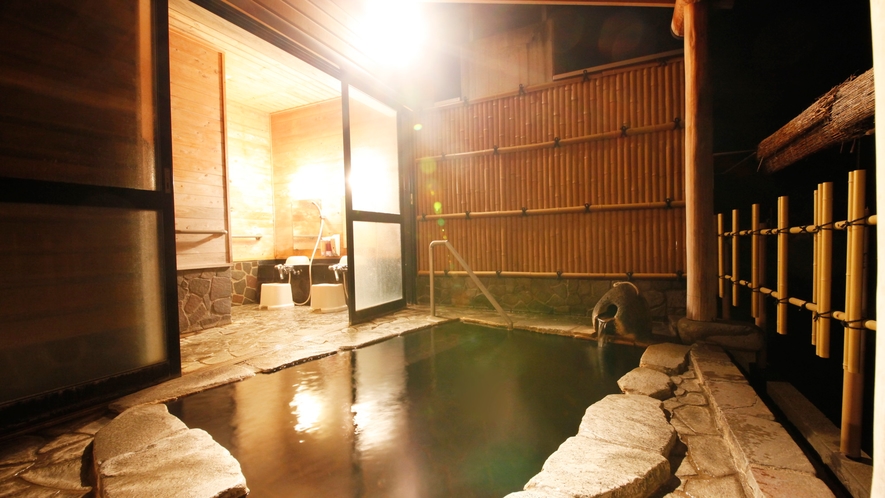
[852, 319]
[623, 132]
[586, 208]
[795, 301]
[871, 220]
[540, 274]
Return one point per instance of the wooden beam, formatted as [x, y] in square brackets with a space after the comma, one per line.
[699, 222]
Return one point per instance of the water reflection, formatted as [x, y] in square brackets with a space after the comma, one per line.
[457, 411]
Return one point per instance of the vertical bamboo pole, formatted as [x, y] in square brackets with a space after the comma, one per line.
[815, 297]
[762, 318]
[754, 261]
[725, 285]
[852, 384]
[782, 260]
[735, 257]
[825, 269]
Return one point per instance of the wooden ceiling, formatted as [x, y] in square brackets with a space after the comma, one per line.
[595, 3]
[258, 74]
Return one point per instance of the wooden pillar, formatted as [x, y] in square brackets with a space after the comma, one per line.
[700, 234]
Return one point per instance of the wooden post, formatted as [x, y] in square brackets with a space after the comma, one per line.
[699, 222]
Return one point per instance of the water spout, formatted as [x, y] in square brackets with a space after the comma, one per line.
[601, 325]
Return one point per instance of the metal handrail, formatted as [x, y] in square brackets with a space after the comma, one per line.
[466, 267]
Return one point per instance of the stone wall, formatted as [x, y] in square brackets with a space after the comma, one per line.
[204, 298]
[246, 278]
[550, 295]
[244, 283]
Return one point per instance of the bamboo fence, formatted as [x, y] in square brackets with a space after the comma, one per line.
[852, 320]
[580, 177]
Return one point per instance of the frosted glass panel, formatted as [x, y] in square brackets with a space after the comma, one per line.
[78, 92]
[374, 155]
[82, 296]
[377, 263]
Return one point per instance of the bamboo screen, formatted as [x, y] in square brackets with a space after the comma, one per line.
[606, 164]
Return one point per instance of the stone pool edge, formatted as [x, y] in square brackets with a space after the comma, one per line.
[765, 460]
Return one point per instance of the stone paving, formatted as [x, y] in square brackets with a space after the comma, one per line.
[58, 461]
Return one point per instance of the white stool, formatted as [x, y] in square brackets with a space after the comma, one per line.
[276, 297]
[327, 298]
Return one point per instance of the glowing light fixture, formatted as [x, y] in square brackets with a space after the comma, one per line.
[394, 31]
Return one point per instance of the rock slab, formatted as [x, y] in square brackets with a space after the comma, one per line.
[629, 420]
[147, 452]
[188, 463]
[590, 468]
[182, 386]
[669, 358]
[647, 382]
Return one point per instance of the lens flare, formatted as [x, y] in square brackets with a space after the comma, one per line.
[437, 207]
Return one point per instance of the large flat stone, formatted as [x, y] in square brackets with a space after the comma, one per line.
[537, 494]
[781, 483]
[668, 358]
[182, 386]
[823, 436]
[187, 463]
[709, 369]
[629, 420]
[647, 382]
[698, 418]
[63, 475]
[21, 449]
[134, 430]
[692, 331]
[765, 443]
[750, 342]
[710, 455]
[74, 449]
[287, 356]
[714, 487]
[584, 467]
[738, 397]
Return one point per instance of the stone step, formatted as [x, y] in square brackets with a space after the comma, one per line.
[148, 452]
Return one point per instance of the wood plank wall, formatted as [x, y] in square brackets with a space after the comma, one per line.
[250, 172]
[198, 152]
[636, 169]
[308, 158]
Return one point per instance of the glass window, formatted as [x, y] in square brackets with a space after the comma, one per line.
[374, 155]
[82, 296]
[377, 263]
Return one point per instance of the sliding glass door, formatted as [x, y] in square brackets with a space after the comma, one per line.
[86, 218]
[373, 201]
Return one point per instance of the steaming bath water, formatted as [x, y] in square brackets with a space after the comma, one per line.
[456, 410]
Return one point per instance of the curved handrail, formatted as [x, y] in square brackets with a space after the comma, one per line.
[466, 267]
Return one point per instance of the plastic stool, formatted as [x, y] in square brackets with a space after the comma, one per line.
[276, 297]
[327, 298]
